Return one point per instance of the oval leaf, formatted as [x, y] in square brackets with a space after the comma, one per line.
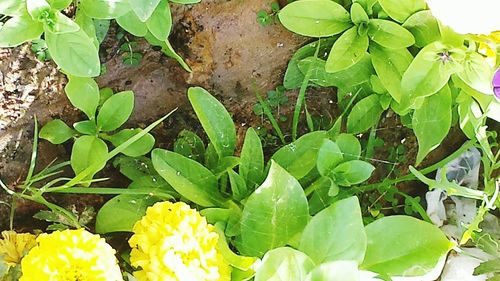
[56, 131]
[160, 22]
[115, 111]
[336, 233]
[315, 18]
[389, 34]
[215, 120]
[403, 246]
[284, 264]
[424, 27]
[88, 151]
[252, 160]
[18, 30]
[400, 10]
[352, 172]
[105, 9]
[336, 271]
[477, 73]
[83, 93]
[144, 9]
[364, 114]
[273, 214]
[131, 23]
[137, 148]
[329, 157]
[347, 50]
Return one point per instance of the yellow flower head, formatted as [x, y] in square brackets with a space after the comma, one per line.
[70, 255]
[13, 246]
[174, 242]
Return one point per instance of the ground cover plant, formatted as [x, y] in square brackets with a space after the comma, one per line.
[302, 202]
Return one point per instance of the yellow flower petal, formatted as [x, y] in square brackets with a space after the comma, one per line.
[13, 246]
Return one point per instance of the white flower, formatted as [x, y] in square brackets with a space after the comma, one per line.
[468, 16]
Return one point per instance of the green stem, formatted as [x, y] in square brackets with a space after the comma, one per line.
[410, 176]
[109, 191]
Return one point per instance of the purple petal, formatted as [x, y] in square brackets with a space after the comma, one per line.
[496, 90]
[496, 79]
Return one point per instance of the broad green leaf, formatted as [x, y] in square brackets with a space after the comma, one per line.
[83, 93]
[389, 34]
[349, 49]
[87, 127]
[273, 214]
[252, 160]
[284, 264]
[390, 66]
[138, 148]
[115, 111]
[136, 168]
[18, 30]
[131, 23]
[188, 177]
[121, 212]
[352, 172]
[215, 120]
[358, 14]
[74, 53]
[315, 18]
[13, 8]
[101, 29]
[59, 4]
[432, 121]
[39, 10]
[144, 8]
[88, 151]
[56, 131]
[468, 120]
[477, 73]
[349, 145]
[299, 157]
[329, 157]
[105, 9]
[335, 271]
[424, 27]
[364, 114]
[400, 10]
[87, 25]
[62, 24]
[190, 145]
[336, 233]
[160, 22]
[426, 74]
[403, 246]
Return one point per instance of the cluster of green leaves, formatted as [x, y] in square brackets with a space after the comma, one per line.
[292, 211]
[106, 113]
[264, 18]
[130, 55]
[398, 56]
[74, 43]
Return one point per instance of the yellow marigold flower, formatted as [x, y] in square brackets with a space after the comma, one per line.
[174, 242]
[14, 246]
[70, 255]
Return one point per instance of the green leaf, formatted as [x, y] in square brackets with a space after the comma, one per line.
[252, 160]
[188, 177]
[364, 114]
[74, 53]
[315, 18]
[88, 151]
[403, 246]
[18, 30]
[144, 9]
[138, 148]
[215, 120]
[87, 127]
[426, 74]
[167, 49]
[349, 145]
[400, 10]
[352, 172]
[471, 116]
[491, 266]
[160, 22]
[101, 29]
[122, 212]
[349, 49]
[336, 271]
[390, 66]
[59, 4]
[329, 157]
[239, 188]
[424, 27]
[336, 233]
[115, 111]
[132, 24]
[13, 8]
[62, 24]
[39, 10]
[105, 9]
[358, 14]
[83, 93]
[284, 264]
[432, 121]
[87, 25]
[274, 213]
[477, 73]
[299, 157]
[190, 145]
[56, 131]
[389, 34]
